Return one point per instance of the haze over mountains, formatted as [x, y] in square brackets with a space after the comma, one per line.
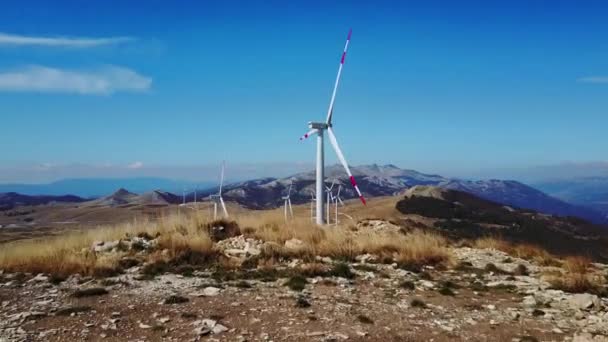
[586, 191]
[97, 187]
[571, 199]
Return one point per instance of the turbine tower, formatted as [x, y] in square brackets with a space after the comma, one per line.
[319, 129]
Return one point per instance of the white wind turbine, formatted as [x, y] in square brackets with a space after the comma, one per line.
[287, 203]
[337, 199]
[330, 198]
[218, 197]
[319, 128]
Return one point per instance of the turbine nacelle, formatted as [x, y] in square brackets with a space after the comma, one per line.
[318, 125]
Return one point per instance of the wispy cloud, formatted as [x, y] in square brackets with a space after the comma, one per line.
[594, 79]
[77, 42]
[103, 81]
[136, 165]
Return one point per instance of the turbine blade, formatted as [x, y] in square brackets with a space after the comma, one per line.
[224, 207]
[311, 132]
[334, 143]
[222, 176]
[330, 111]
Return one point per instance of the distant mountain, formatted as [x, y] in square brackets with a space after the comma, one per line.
[591, 192]
[97, 187]
[461, 214]
[374, 180]
[122, 197]
[10, 200]
[523, 196]
[385, 180]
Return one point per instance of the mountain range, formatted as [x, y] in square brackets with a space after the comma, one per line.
[97, 187]
[385, 180]
[374, 180]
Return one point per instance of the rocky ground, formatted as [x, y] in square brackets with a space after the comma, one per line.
[487, 295]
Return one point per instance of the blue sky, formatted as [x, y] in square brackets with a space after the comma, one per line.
[152, 87]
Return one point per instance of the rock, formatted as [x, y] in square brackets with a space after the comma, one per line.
[210, 291]
[145, 326]
[104, 246]
[588, 337]
[39, 278]
[529, 301]
[218, 329]
[294, 244]
[427, 284]
[206, 326]
[585, 301]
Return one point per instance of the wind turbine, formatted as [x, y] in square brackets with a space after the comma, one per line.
[218, 197]
[338, 194]
[287, 200]
[319, 128]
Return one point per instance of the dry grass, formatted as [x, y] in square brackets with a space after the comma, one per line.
[523, 251]
[186, 239]
[577, 277]
[577, 264]
[70, 253]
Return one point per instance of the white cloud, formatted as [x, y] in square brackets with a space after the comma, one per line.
[136, 165]
[80, 42]
[102, 81]
[594, 79]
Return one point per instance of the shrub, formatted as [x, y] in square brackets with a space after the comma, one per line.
[521, 270]
[296, 283]
[408, 285]
[155, 268]
[222, 229]
[342, 270]
[175, 299]
[93, 291]
[417, 303]
[495, 269]
[364, 319]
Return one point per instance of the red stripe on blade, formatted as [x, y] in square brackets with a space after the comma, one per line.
[343, 55]
[349, 33]
[363, 200]
[352, 181]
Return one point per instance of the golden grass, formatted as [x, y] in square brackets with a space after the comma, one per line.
[522, 250]
[577, 264]
[71, 252]
[578, 277]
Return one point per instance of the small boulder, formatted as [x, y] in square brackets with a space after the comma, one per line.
[294, 244]
[585, 301]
